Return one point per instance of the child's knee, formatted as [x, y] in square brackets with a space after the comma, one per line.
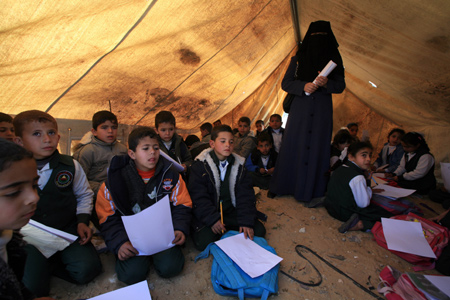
[171, 269]
[86, 270]
[132, 275]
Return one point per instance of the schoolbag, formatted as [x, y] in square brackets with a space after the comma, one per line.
[436, 236]
[228, 279]
[399, 206]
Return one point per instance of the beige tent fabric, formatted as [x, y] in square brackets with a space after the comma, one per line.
[205, 60]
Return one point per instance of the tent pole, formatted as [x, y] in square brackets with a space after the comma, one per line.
[295, 21]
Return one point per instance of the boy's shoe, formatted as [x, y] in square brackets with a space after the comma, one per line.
[316, 202]
[351, 222]
[271, 195]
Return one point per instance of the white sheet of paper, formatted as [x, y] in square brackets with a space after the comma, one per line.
[445, 173]
[151, 230]
[47, 243]
[248, 255]
[395, 192]
[379, 175]
[406, 236]
[67, 236]
[383, 167]
[176, 164]
[441, 282]
[138, 291]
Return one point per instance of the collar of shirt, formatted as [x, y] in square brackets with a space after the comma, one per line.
[223, 164]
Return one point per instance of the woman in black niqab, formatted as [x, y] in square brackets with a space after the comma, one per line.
[305, 151]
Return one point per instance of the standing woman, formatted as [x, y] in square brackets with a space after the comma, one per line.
[304, 156]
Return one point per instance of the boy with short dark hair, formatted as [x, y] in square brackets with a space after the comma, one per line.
[96, 155]
[261, 162]
[243, 142]
[205, 130]
[6, 127]
[135, 182]
[276, 131]
[259, 127]
[65, 204]
[220, 187]
[169, 141]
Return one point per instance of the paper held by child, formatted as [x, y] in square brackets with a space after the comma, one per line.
[176, 164]
[138, 290]
[249, 256]
[46, 239]
[394, 192]
[406, 236]
[325, 72]
[151, 230]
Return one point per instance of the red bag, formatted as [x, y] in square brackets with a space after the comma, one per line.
[436, 236]
[397, 286]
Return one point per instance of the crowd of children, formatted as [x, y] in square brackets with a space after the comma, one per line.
[213, 194]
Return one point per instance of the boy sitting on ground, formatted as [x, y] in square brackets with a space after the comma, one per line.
[135, 182]
[243, 142]
[221, 188]
[261, 162]
[169, 141]
[65, 204]
[276, 131]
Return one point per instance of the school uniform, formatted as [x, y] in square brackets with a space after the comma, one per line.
[416, 171]
[65, 201]
[391, 155]
[255, 162]
[212, 181]
[276, 136]
[348, 193]
[125, 193]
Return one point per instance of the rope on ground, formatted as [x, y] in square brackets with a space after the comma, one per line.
[297, 249]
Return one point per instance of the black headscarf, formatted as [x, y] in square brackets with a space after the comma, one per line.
[317, 50]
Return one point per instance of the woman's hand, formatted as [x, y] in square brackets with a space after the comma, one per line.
[310, 88]
[321, 81]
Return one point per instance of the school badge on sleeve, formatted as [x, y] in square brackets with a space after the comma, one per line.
[167, 184]
[63, 179]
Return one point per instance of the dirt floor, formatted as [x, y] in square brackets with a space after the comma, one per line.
[289, 224]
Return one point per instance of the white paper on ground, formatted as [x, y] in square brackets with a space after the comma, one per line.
[137, 291]
[445, 173]
[176, 164]
[441, 282]
[47, 243]
[151, 230]
[406, 236]
[248, 255]
[395, 192]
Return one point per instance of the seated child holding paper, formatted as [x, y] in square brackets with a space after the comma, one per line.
[18, 201]
[348, 196]
[338, 152]
[416, 169]
[261, 162]
[135, 182]
[65, 204]
[222, 192]
[169, 141]
[392, 152]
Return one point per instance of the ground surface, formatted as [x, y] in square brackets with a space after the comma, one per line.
[289, 224]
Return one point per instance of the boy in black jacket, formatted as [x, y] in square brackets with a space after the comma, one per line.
[221, 188]
[137, 181]
[261, 162]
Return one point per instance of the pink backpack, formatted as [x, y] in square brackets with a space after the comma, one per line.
[436, 235]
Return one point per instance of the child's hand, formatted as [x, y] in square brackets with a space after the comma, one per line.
[179, 238]
[185, 167]
[438, 219]
[218, 228]
[270, 171]
[389, 175]
[84, 232]
[262, 171]
[126, 251]
[377, 190]
[248, 232]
